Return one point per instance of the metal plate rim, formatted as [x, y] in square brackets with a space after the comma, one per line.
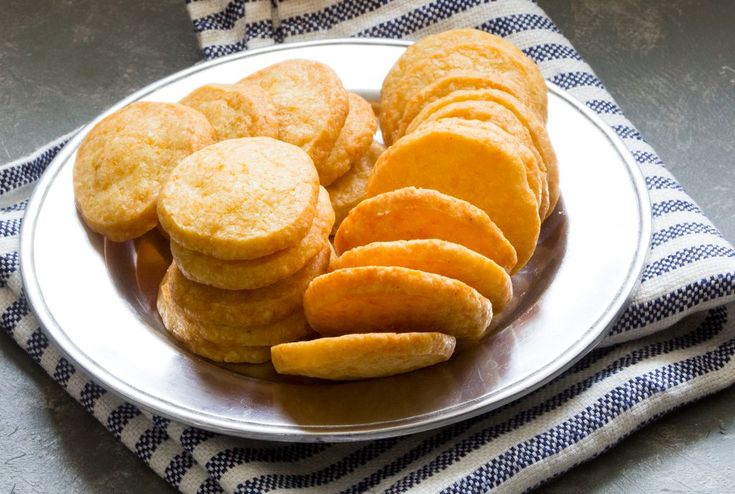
[312, 433]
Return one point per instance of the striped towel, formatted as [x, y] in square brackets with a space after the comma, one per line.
[640, 372]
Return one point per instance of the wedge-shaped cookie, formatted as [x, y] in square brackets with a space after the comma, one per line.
[473, 162]
[437, 55]
[245, 307]
[349, 189]
[241, 198]
[184, 329]
[125, 159]
[311, 105]
[533, 123]
[262, 271]
[497, 114]
[353, 141]
[362, 356]
[436, 256]
[410, 213]
[456, 81]
[235, 110]
[394, 299]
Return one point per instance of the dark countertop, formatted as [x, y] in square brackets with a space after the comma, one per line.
[671, 66]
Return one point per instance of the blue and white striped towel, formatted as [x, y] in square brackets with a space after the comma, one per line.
[641, 372]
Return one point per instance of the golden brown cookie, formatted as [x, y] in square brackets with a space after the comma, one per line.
[125, 158]
[353, 141]
[472, 161]
[410, 213]
[456, 81]
[349, 189]
[450, 51]
[235, 110]
[241, 198]
[436, 256]
[533, 123]
[381, 299]
[245, 307]
[362, 356]
[182, 328]
[495, 113]
[262, 271]
[311, 104]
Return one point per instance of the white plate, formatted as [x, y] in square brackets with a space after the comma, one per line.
[590, 254]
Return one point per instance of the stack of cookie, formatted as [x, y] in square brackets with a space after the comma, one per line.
[249, 227]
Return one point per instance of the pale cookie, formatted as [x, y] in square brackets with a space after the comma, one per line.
[353, 141]
[410, 213]
[182, 328]
[245, 307]
[455, 81]
[380, 299]
[235, 110]
[533, 123]
[262, 271]
[471, 161]
[362, 356]
[437, 55]
[436, 256]
[125, 159]
[240, 199]
[349, 189]
[311, 104]
[495, 113]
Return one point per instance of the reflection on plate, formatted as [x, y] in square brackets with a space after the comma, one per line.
[98, 304]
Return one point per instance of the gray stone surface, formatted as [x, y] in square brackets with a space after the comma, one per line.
[671, 66]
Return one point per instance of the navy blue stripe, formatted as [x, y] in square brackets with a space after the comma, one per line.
[224, 460]
[516, 23]
[551, 51]
[8, 265]
[36, 344]
[646, 157]
[602, 106]
[15, 311]
[177, 468]
[18, 206]
[626, 132]
[655, 182]
[30, 171]
[210, 486]
[674, 206]
[90, 394]
[710, 327]
[325, 19]
[10, 228]
[684, 257]
[223, 20]
[680, 300]
[148, 442]
[570, 80]
[681, 229]
[63, 372]
[119, 418]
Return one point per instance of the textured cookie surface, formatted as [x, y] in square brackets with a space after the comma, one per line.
[437, 55]
[353, 141]
[349, 189]
[311, 104]
[262, 271]
[394, 299]
[185, 331]
[410, 213]
[245, 307]
[235, 110]
[470, 161]
[125, 159]
[241, 198]
[436, 256]
[361, 356]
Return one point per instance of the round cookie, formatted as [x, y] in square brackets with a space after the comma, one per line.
[361, 356]
[311, 105]
[455, 81]
[240, 199]
[436, 256]
[380, 299]
[235, 110]
[410, 213]
[263, 271]
[472, 161]
[245, 308]
[495, 113]
[181, 327]
[533, 123]
[124, 160]
[455, 50]
[353, 141]
[349, 189]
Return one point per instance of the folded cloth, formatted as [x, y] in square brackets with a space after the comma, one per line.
[640, 373]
